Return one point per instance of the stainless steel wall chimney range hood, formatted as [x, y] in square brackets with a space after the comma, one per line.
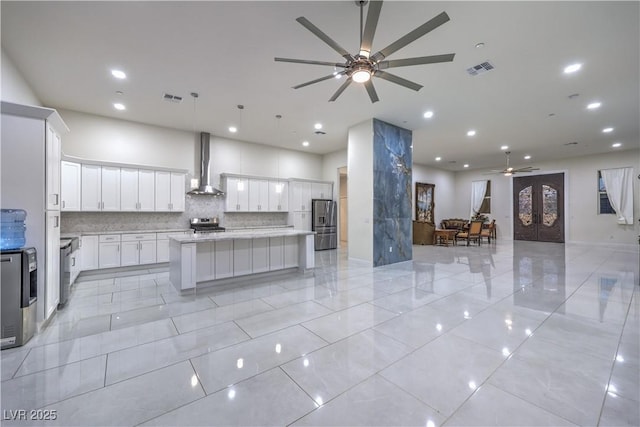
[205, 187]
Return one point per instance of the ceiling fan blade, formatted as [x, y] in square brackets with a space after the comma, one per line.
[371, 91]
[307, 61]
[340, 90]
[412, 36]
[398, 80]
[373, 14]
[433, 59]
[325, 38]
[330, 76]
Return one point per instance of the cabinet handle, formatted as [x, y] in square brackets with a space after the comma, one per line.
[73, 261]
[98, 205]
[118, 248]
[57, 199]
[63, 204]
[57, 223]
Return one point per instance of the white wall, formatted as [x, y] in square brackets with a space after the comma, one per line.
[106, 139]
[445, 203]
[583, 223]
[14, 87]
[330, 164]
[360, 189]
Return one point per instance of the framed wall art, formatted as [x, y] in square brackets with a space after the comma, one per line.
[425, 202]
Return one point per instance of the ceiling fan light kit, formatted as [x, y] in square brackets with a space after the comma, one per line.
[362, 67]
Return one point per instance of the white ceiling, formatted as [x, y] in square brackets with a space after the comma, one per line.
[225, 50]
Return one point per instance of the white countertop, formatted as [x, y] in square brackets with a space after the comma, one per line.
[241, 234]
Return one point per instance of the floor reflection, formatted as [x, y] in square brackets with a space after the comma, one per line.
[539, 278]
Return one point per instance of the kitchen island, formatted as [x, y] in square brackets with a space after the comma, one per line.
[210, 258]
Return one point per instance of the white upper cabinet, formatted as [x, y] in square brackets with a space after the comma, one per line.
[237, 190]
[70, 173]
[321, 190]
[137, 190]
[300, 196]
[100, 188]
[91, 188]
[53, 148]
[110, 189]
[178, 192]
[170, 191]
[278, 196]
[258, 195]
[147, 190]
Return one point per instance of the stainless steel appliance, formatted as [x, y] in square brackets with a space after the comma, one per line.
[67, 247]
[324, 223]
[19, 271]
[205, 225]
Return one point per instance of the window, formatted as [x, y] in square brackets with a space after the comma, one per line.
[485, 208]
[604, 206]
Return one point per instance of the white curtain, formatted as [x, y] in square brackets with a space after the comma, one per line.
[619, 186]
[478, 190]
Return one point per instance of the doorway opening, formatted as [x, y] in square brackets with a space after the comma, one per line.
[343, 207]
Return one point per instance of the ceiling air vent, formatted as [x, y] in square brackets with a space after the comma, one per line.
[480, 69]
[172, 98]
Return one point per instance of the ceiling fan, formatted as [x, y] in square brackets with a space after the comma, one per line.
[508, 170]
[361, 67]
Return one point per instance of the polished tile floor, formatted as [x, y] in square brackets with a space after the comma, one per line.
[512, 333]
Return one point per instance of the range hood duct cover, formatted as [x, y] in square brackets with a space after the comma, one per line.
[205, 159]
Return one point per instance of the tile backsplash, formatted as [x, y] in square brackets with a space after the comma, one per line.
[196, 206]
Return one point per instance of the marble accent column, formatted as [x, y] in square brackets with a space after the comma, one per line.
[392, 166]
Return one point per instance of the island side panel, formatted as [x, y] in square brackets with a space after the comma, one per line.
[182, 266]
[307, 252]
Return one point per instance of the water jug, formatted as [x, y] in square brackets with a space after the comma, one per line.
[12, 228]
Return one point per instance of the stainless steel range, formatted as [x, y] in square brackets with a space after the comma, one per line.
[205, 225]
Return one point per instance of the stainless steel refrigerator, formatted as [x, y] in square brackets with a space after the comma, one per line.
[324, 223]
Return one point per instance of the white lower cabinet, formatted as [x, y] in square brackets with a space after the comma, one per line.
[260, 255]
[138, 249]
[109, 251]
[223, 255]
[242, 257]
[89, 246]
[276, 253]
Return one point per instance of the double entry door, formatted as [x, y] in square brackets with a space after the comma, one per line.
[538, 208]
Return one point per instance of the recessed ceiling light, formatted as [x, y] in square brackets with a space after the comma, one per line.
[527, 157]
[466, 165]
[504, 147]
[428, 114]
[233, 129]
[607, 130]
[438, 159]
[479, 45]
[616, 144]
[305, 143]
[119, 106]
[471, 133]
[318, 126]
[118, 74]
[594, 105]
[572, 68]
